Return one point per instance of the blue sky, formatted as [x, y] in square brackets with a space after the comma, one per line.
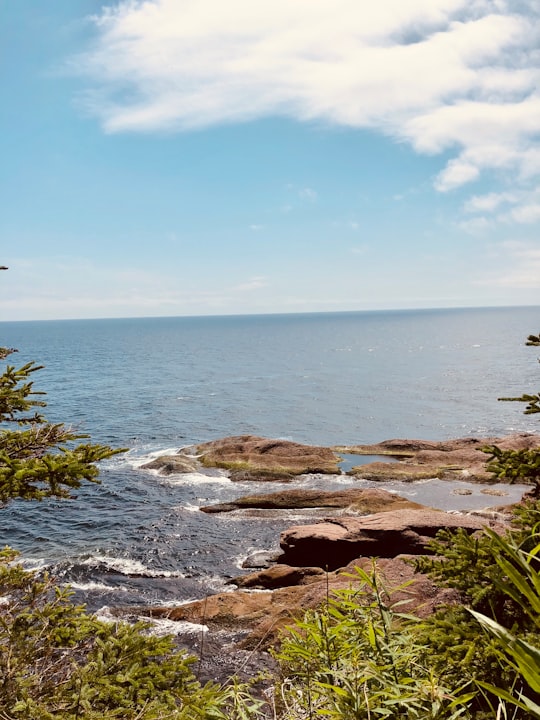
[172, 157]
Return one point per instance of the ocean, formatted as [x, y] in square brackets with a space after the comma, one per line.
[154, 385]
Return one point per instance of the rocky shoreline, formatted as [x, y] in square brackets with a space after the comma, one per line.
[351, 527]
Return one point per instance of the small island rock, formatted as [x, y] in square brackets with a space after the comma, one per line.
[260, 455]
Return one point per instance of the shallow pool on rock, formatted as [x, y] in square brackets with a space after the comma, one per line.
[350, 460]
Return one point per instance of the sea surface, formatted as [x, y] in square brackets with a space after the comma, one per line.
[154, 385]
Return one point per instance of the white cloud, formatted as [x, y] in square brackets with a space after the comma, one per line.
[457, 75]
[489, 202]
[524, 206]
[526, 213]
[520, 267]
[455, 174]
[476, 226]
[256, 283]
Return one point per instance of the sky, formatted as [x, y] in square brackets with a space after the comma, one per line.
[201, 157]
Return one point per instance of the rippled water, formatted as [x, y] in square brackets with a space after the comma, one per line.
[152, 385]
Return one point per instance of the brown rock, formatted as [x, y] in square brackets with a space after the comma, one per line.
[264, 614]
[278, 576]
[333, 543]
[356, 500]
[403, 471]
[450, 459]
[256, 454]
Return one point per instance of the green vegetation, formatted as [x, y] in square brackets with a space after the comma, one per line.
[518, 465]
[57, 661]
[359, 658]
[522, 584]
[39, 459]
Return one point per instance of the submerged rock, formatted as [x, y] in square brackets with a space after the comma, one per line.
[173, 464]
[261, 559]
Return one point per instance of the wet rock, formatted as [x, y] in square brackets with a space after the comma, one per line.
[260, 455]
[173, 464]
[360, 501]
[261, 559]
[335, 542]
[278, 576]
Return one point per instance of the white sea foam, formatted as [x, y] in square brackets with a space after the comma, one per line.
[32, 564]
[159, 626]
[90, 586]
[128, 566]
[189, 508]
[105, 615]
[173, 603]
[194, 478]
[135, 459]
[164, 626]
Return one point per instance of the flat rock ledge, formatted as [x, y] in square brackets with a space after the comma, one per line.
[249, 457]
[460, 459]
[355, 501]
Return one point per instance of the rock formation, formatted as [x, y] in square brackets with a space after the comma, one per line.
[420, 459]
[254, 454]
[333, 543]
[248, 457]
[173, 464]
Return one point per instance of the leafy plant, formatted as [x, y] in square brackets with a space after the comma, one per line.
[358, 658]
[521, 583]
[472, 566]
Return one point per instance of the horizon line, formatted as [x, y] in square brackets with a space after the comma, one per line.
[278, 314]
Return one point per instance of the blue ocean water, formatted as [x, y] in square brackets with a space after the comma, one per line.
[157, 384]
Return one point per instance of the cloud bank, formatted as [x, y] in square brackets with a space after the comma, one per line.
[455, 76]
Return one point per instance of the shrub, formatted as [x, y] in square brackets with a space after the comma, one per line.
[360, 658]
